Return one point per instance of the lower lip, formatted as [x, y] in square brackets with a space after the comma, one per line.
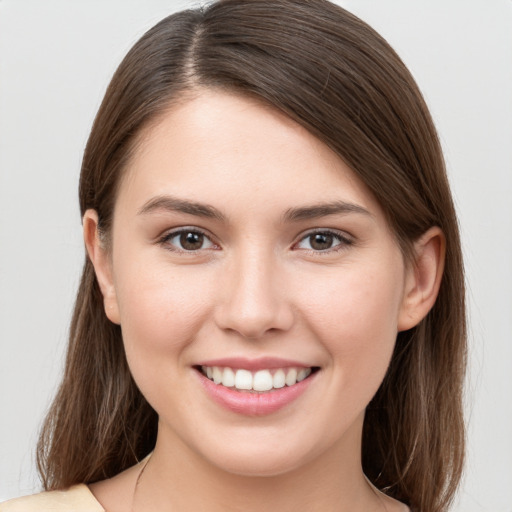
[254, 404]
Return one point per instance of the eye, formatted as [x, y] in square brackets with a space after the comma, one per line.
[187, 240]
[323, 241]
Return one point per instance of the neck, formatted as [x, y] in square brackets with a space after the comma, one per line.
[178, 479]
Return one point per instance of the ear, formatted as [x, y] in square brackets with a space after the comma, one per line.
[423, 278]
[100, 258]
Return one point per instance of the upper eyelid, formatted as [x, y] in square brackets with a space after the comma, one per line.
[336, 232]
[170, 233]
[189, 229]
[344, 238]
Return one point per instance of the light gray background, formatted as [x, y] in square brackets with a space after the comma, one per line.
[56, 58]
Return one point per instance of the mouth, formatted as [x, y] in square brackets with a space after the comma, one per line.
[260, 381]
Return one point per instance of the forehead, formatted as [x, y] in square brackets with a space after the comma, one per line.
[238, 153]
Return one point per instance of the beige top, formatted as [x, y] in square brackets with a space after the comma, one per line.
[75, 499]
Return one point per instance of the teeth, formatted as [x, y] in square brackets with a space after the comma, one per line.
[279, 379]
[302, 374]
[243, 379]
[228, 378]
[217, 375]
[262, 380]
[291, 377]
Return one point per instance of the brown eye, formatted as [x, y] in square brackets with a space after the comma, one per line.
[187, 241]
[323, 241]
[191, 241]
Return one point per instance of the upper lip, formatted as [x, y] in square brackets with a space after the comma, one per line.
[260, 363]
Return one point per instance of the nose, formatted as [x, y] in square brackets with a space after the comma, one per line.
[254, 299]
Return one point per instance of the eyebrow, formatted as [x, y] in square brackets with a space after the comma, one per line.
[323, 210]
[173, 204]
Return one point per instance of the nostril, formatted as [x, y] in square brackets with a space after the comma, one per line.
[256, 322]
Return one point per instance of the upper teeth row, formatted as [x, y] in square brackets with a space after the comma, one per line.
[262, 380]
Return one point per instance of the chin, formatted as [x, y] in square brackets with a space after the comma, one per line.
[261, 458]
[264, 465]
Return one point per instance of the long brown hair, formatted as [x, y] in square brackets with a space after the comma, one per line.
[333, 74]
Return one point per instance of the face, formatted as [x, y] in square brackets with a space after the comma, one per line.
[257, 284]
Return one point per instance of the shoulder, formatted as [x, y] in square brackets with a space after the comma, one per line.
[79, 497]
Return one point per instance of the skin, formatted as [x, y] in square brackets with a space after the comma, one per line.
[257, 287]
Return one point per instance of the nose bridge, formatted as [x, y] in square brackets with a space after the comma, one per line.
[254, 302]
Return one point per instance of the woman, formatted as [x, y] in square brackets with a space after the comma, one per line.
[271, 313]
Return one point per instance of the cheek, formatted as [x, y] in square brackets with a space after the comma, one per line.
[355, 317]
[161, 314]
[161, 310]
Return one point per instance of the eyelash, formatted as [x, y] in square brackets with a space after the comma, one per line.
[343, 241]
[165, 240]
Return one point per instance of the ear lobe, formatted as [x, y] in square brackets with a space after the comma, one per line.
[100, 258]
[423, 278]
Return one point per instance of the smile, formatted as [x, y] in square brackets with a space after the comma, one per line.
[255, 388]
[258, 381]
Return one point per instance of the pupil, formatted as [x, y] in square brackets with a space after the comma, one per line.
[191, 241]
[321, 241]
